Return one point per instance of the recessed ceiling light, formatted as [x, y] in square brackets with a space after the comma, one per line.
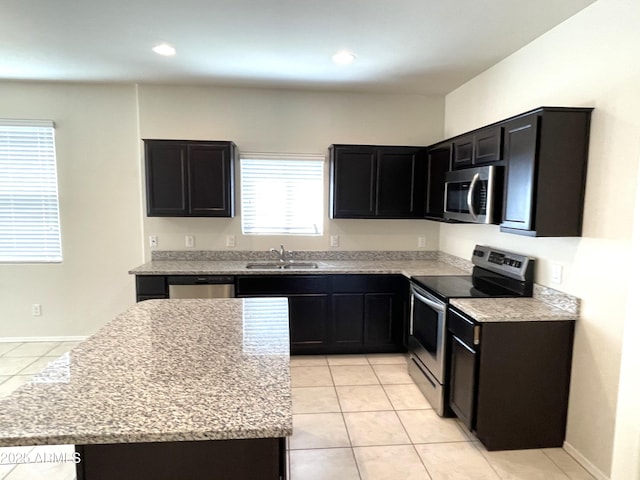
[164, 49]
[344, 57]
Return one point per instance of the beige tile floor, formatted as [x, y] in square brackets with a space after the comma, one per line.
[356, 417]
[18, 362]
[361, 417]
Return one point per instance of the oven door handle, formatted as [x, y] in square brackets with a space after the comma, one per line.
[435, 305]
[470, 196]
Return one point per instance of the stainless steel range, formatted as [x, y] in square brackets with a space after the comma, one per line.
[496, 273]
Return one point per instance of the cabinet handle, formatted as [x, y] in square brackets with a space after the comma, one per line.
[470, 196]
[476, 335]
[462, 344]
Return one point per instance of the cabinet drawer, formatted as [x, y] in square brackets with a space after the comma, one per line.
[365, 283]
[274, 285]
[462, 327]
[153, 286]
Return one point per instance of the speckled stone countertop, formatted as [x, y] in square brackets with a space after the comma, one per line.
[546, 304]
[407, 263]
[165, 370]
[511, 310]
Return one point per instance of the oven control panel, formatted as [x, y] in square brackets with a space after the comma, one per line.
[512, 264]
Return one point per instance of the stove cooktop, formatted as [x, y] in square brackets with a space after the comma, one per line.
[461, 286]
[496, 273]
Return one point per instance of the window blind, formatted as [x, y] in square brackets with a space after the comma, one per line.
[29, 217]
[282, 194]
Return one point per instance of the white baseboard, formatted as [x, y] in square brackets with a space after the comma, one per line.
[586, 464]
[59, 338]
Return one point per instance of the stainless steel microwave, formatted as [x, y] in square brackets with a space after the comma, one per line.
[474, 195]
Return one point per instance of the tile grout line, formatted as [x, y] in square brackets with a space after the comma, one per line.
[344, 421]
[413, 445]
[559, 467]
[487, 460]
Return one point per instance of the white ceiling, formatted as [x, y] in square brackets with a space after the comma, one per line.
[411, 46]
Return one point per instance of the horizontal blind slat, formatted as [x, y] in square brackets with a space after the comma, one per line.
[29, 212]
[282, 195]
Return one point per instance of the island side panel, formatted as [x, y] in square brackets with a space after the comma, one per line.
[247, 459]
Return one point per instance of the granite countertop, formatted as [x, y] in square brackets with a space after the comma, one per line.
[406, 267]
[512, 310]
[165, 370]
[546, 304]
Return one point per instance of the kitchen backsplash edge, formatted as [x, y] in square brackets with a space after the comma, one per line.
[199, 255]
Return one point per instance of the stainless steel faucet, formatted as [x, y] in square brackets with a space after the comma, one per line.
[282, 254]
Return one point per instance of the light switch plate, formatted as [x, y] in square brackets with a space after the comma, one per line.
[153, 241]
[189, 240]
[231, 240]
[422, 242]
[335, 240]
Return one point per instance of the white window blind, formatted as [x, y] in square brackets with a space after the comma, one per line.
[282, 194]
[29, 217]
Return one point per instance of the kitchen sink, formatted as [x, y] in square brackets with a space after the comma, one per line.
[279, 266]
[300, 265]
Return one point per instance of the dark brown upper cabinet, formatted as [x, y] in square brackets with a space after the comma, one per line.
[369, 181]
[189, 178]
[438, 164]
[478, 148]
[546, 165]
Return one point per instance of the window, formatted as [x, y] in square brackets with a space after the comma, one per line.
[282, 194]
[29, 219]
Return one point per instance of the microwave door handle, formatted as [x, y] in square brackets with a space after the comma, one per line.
[470, 196]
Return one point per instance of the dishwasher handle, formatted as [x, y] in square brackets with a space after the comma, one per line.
[199, 280]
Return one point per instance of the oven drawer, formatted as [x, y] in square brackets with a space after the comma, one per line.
[463, 327]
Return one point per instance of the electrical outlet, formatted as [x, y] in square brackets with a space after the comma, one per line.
[556, 273]
[189, 240]
[335, 240]
[231, 240]
[153, 241]
[36, 309]
[422, 242]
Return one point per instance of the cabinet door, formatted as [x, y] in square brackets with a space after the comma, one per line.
[166, 171]
[210, 180]
[519, 183]
[347, 320]
[353, 171]
[488, 145]
[438, 166]
[462, 152]
[400, 182]
[150, 287]
[463, 381]
[381, 320]
[308, 323]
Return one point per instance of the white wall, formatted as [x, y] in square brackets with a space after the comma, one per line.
[589, 60]
[99, 183]
[277, 121]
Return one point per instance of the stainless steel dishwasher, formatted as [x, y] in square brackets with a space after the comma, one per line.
[201, 286]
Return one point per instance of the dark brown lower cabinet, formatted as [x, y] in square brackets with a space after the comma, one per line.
[509, 381]
[462, 390]
[247, 459]
[382, 311]
[337, 313]
[308, 325]
[347, 319]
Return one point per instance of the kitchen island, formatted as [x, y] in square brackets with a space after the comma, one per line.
[169, 389]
